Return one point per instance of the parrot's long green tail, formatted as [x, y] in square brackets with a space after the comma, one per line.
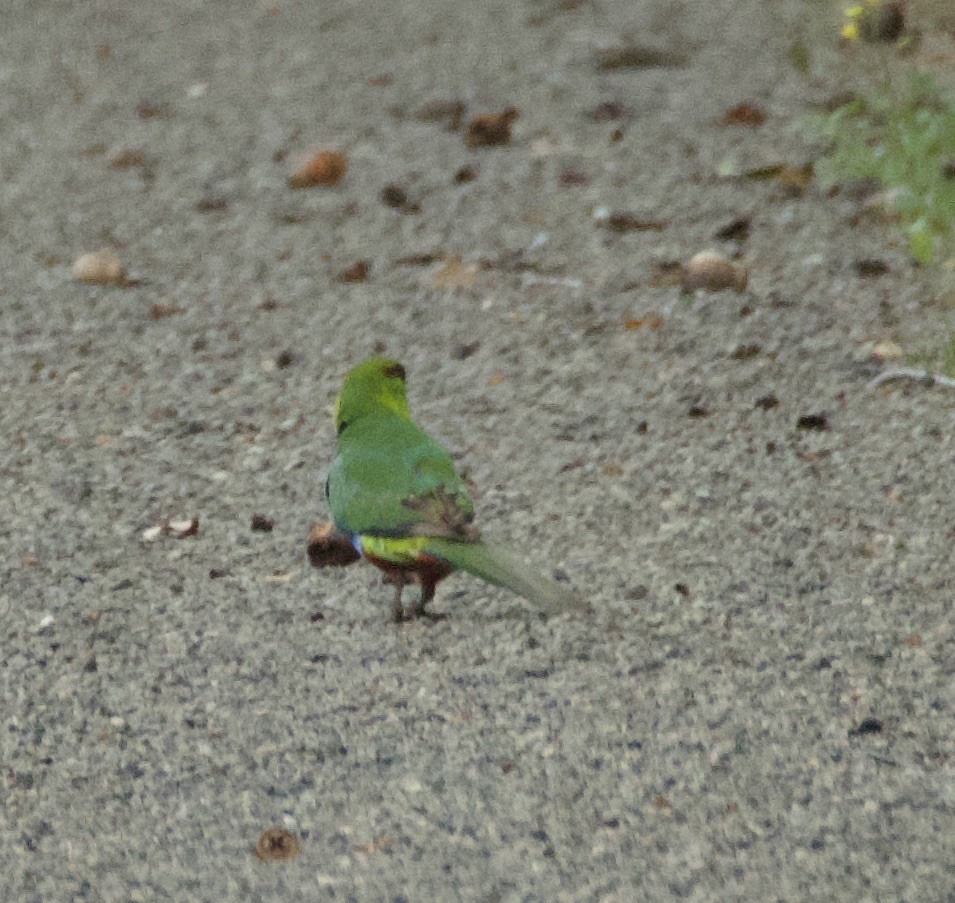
[498, 566]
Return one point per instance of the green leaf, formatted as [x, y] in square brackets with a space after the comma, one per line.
[921, 240]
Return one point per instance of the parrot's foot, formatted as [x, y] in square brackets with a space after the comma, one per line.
[416, 612]
[419, 610]
[399, 580]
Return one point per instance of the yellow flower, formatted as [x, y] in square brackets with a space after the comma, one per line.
[850, 29]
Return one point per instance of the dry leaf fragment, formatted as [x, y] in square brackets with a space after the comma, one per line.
[326, 167]
[607, 111]
[100, 267]
[125, 157]
[794, 180]
[887, 351]
[630, 222]
[450, 112]
[867, 726]
[150, 109]
[815, 421]
[573, 464]
[396, 196]
[183, 528]
[212, 203]
[735, 230]
[745, 352]
[745, 113]
[287, 577]
[490, 129]
[464, 350]
[763, 173]
[151, 533]
[651, 320]
[421, 259]
[639, 56]
[162, 309]
[666, 272]
[276, 844]
[356, 272]
[465, 174]
[712, 272]
[454, 273]
[572, 177]
[871, 266]
[285, 358]
[262, 523]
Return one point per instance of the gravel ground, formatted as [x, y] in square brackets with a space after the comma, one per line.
[761, 707]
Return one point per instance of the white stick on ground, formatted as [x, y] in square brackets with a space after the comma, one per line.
[911, 373]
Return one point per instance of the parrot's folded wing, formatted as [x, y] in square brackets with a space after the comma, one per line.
[499, 566]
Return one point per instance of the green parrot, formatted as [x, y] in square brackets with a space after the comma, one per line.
[397, 500]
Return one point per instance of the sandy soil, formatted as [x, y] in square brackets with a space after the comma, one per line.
[761, 707]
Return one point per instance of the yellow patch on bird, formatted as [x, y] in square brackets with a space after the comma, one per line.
[400, 550]
[395, 403]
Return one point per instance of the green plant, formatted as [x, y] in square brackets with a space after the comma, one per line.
[904, 138]
[939, 360]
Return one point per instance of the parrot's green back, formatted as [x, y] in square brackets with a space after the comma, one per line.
[383, 462]
[396, 489]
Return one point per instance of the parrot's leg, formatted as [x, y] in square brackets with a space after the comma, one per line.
[399, 581]
[418, 610]
[397, 611]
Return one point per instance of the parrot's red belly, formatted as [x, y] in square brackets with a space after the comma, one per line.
[425, 570]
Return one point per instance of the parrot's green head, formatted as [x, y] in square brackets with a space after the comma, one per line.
[372, 387]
